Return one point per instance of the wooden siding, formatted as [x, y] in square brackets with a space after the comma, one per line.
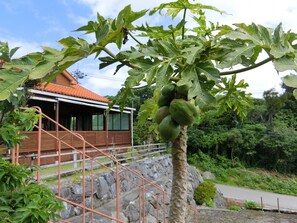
[96, 138]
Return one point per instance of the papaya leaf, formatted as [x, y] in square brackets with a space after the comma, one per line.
[163, 75]
[295, 93]
[285, 63]
[134, 78]
[235, 57]
[278, 50]
[192, 53]
[147, 110]
[41, 69]
[290, 80]
[208, 70]
[10, 80]
[174, 8]
[102, 32]
[68, 41]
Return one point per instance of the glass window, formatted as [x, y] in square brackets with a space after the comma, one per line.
[98, 122]
[125, 122]
[118, 121]
[73, 123]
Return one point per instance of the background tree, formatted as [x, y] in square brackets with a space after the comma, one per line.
[184, 56]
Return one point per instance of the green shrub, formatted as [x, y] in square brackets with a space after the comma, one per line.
[250, 205]
[234, 208]
[22, 200]
[205, 193]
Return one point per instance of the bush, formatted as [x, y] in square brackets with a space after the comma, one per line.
[250, 205]
[205, 193]
[22, 200]
[234, 208]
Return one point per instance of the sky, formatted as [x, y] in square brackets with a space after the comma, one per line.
[30, 24]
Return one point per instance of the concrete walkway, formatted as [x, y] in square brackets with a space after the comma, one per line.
[286, 202]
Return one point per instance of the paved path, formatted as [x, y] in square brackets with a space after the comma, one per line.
[269, 199]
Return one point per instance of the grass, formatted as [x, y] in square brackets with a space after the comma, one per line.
[74, 175]
[237, 175]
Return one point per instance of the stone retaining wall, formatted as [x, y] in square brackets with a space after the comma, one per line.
[158, 170]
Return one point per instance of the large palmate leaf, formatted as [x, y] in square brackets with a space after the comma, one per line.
[174, 8]
[238, 55]
[291, 81]
[232, 95]
[285, 63]
[112, 30]
[10, 80]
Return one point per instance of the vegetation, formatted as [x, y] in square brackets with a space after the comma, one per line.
[235, 174]
[266, 138]
[22, 200]
[234, 208]
[205, 193]
[190, 56]
[250, 205]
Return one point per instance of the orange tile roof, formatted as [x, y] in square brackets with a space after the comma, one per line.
[74, 90]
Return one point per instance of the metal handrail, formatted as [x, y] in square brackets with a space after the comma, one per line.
[119, 169]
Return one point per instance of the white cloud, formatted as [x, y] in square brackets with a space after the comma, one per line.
[25, 47]
[102, 81]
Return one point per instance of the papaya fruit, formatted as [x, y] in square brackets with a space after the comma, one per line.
[161, 114]
[183, 89]
[182, 111]
[164, 100]
[168, 90]
[169, 129]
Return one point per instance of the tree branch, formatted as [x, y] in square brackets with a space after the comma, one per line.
[121, 61]
[184, 18]
[246, 68]
[136, 40]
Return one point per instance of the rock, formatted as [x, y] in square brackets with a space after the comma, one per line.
[219, 200]
[68, 211]
[208, 175]
[102, 188]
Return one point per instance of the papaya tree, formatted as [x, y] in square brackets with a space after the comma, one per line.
[185, 65]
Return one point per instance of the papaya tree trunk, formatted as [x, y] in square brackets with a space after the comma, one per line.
[178, 208]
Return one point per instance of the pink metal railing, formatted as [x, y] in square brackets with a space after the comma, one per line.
[118, 169]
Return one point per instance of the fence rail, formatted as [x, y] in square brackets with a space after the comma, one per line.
[132, 154]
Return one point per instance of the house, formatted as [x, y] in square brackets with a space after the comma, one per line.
[80, 110]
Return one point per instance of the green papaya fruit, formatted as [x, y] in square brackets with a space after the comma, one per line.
[161, 114]
[183, 89]
[164, 100]
[169, 90]
[169, 129]
[182, 111]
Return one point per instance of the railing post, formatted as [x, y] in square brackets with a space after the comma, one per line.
[74, 159]
[117, 190]
[39, 143]
[84, 181]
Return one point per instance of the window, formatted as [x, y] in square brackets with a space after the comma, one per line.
[98, 122]
[118, 121]
[73, 123]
